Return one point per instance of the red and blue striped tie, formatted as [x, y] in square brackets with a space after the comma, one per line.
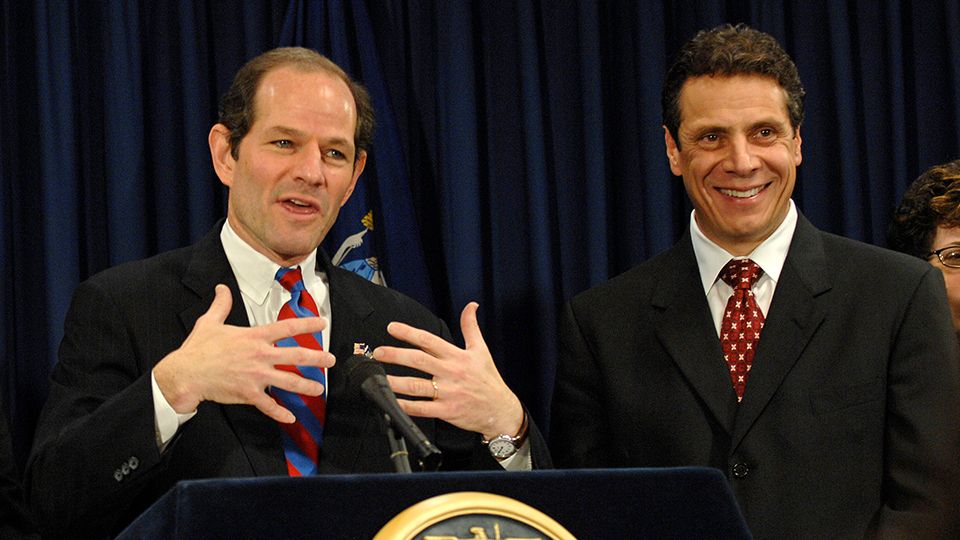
[301, 439]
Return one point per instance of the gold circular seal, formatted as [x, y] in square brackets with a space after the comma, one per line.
[472, 515]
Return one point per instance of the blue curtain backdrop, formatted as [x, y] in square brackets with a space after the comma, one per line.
[519, 158]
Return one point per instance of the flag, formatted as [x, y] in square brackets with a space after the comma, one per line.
[376, 234]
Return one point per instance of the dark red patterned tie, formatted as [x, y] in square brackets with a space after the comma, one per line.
[742, 321]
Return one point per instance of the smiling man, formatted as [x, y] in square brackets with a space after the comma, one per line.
[218, 359]
[819, 373]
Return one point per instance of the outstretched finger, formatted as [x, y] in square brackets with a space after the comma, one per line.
[412, 386]
[472, 337]
[300, 356]
[425, 409]
[425, 341]
[269, 406]
[278, 330]
[411, 358]
[292, 380]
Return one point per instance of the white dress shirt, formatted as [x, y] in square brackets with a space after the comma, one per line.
[769, 255]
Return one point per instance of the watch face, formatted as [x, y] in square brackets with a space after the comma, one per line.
[502, 447]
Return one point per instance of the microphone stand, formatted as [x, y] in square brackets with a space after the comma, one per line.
[398, 447]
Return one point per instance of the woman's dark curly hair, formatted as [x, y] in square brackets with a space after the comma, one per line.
[932, 200]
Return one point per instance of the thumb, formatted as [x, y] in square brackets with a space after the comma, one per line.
[220, 307]
[472, 337]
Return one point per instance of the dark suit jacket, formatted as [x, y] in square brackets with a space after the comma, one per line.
[96, 465]
[851, 417]
[15, 521]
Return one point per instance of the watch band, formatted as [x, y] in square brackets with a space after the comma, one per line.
[524, 429]
[517, 439]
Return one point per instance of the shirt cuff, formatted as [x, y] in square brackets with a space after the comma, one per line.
[520, 461]
[166, 421]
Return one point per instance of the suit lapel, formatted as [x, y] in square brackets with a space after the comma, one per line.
[793, 318]
[208, 267]
[259, 435]
[350, 311]
[686, 330]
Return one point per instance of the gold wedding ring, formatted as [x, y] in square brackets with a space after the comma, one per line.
[436, 389]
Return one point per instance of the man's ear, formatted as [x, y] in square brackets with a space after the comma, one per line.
[673, 152]
[797, 154]
[223, 162]
[358, 166]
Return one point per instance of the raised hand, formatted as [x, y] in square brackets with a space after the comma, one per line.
[231, 364]
[466, 389]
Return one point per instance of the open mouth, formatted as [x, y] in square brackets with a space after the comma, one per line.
[742, 194]
[300, 206]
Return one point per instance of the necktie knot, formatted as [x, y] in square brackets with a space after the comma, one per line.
[741, 273]
[290, 278]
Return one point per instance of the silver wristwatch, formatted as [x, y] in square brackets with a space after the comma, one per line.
[504, 446]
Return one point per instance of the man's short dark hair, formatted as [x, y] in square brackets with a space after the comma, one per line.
[726, 51]
[932, 200]
[237, 110]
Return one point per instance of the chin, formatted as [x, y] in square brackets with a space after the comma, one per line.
[295, 249]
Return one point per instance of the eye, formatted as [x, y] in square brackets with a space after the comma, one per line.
[765, 134]
[709, 140]
[283, 143]
[336, 155]
[951, 256]
[769, 134]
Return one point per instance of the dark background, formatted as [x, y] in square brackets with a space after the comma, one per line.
[519, 158]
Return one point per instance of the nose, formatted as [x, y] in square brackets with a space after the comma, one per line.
[740, 159]
[309, 166]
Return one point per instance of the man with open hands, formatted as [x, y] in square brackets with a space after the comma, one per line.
[177, 367]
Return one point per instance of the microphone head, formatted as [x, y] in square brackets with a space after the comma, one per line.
[358, 368]
[368, 375]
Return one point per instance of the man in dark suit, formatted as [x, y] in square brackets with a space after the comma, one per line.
[833, 404]
[165, 362]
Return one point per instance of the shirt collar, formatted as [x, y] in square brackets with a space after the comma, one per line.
[254, 271]
[769, 255]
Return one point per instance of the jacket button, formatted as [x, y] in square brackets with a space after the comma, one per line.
[125, 469]
[118, 475]
[740, 470]
[133, 462]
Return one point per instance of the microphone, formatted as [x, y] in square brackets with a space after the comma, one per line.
[368, 374]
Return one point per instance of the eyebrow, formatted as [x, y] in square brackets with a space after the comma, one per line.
[714, 128]
[294, 132]
[770, 122]
[283, 130]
